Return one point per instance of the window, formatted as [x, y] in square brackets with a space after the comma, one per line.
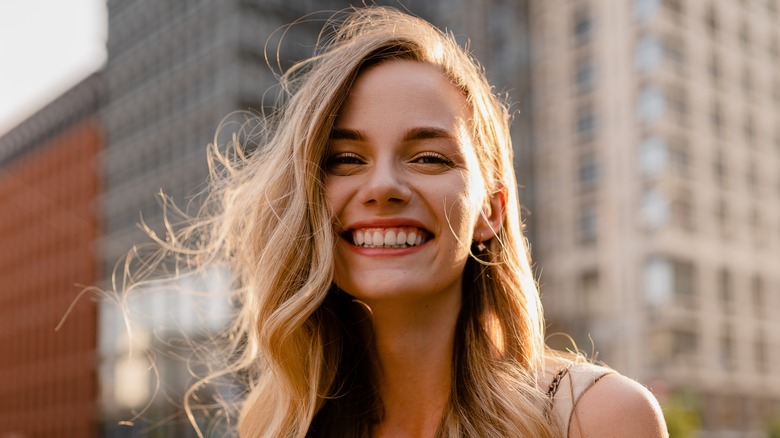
[651, 104]
[756, 228]
[725, 290]
[654, 209]
[658, 279]
[586, 123]
[682, 210]
[722, 214]
[719, 168]
[667, 279]
[716, 118]
[685, 344]
[757, 290]
[714, 68]
[585, 77]
[590, 292]
[684, 283]
[762, 361]
[726, 350]
[646, 10]
[678, 104]
[652, 156]
[649, 54]
[680, 157]
[674, 6]
[588, 223]
[749, 129]
[673, 51]
[583, 26]
[588, 171]
[711, 20]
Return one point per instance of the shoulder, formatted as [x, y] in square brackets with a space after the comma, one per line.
[616, 406]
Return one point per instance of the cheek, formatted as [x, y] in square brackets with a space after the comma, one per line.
[461, 211]
[334, 194]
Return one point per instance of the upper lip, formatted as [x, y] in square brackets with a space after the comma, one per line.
[388, 222]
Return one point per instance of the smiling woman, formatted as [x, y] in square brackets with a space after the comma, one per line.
[383, 277]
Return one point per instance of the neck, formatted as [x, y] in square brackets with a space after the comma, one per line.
[414, 342]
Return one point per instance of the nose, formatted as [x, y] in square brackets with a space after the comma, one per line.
[385, 185]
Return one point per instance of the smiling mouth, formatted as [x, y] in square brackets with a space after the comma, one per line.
[395, 237]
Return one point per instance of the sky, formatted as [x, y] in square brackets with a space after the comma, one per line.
[46, 47]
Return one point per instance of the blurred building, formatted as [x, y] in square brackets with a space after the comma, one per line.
[657, 156]
[49, 183]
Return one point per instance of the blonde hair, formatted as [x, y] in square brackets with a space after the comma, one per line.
[295, 336]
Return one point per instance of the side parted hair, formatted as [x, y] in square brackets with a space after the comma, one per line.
[296, 336]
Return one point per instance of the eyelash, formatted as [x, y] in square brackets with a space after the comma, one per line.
[345, 158]
[439, 158]
[425, 158]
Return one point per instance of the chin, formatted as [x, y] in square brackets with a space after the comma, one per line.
[376, 292]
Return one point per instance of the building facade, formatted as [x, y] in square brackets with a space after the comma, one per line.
[49, 184]
[657, 155]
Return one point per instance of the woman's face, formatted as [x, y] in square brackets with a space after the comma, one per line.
[403, 184]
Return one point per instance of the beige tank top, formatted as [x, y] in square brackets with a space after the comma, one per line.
[568, 385]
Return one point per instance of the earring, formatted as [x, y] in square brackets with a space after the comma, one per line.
[481, 246]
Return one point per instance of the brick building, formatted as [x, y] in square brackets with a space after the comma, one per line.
[48, 228]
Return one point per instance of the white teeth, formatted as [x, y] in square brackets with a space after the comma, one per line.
[399, 237]
[389, 238]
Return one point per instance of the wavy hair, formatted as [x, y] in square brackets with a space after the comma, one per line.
[296, 336]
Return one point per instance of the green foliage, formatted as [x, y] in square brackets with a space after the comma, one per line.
[682, 420]
[773, 430]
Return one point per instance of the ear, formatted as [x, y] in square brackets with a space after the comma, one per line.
[491, 218]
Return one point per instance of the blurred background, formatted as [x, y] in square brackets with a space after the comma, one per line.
[647, 136]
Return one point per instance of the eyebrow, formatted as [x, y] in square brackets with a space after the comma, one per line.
[346, 134]
[426, 133]
[422, 133]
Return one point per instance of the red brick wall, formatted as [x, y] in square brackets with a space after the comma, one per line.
[48, 232]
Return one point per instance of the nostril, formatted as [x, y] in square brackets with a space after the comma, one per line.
[385, 188]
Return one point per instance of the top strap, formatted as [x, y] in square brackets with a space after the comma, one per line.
[570, 387]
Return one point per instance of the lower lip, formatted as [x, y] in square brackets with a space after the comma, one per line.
[388, 252]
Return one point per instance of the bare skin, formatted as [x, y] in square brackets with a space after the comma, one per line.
[617, 406]
[415, 354]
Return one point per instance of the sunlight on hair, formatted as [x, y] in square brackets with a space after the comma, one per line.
[476, 189]
[437, 52]
[496, 332]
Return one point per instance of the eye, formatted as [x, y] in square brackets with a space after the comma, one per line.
[345, 158]
[432, 158]
[343, 163]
